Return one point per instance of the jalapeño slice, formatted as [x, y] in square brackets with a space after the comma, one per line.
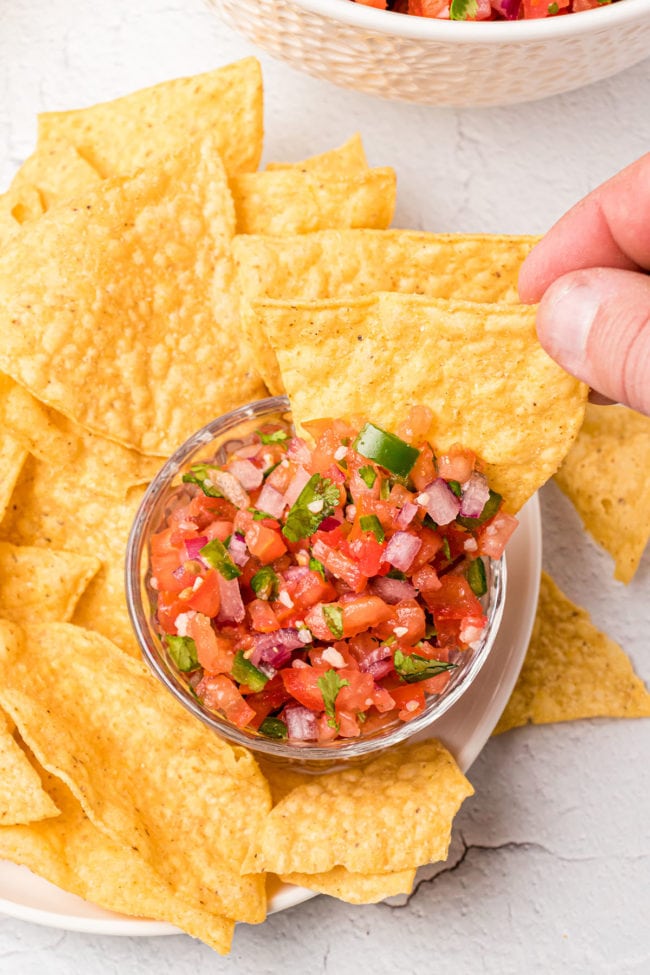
[386, 449]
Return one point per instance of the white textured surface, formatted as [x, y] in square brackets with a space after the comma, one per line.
[550, 868]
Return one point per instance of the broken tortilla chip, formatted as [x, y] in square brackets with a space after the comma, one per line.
[478, 367]
[112, 310]
[345, 160]
[355, 888]
[12, 458]
[284, 201]
[191, 809]
[43, 584]
[22, 798]
[571, 670]
[57, 170]
[142, 128]
[354, 818]
[606, 475]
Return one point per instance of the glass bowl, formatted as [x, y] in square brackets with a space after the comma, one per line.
[205, 445]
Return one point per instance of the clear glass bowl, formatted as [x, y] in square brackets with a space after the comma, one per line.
[203, 446]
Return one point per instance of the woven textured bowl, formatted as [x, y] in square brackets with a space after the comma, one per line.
[438, 62]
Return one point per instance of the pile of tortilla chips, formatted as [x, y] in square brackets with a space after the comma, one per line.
[151, 280]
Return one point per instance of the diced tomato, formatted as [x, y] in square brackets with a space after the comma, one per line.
[272, 697]
[416, 426]
[218, 529]
[457, 464]
[426, 578]
[315, 620]
[363, 613]
[408, 615]
[424, 469]
[357, 695]
[333, 538]
[302, 684]
[453, 600]
[311, 589]
[382, 699]
[492, 536]
[166, 563]
[437, 684]
[215, 653]
[348, 724]
[262, 617]
[410, 699]
[326, 728]
[169, 606]
[206, 599]
[431, 543]
[219, 692]
[264, 543]
[367, 552]
[341, 566]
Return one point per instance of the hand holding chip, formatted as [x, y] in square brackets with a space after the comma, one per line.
[590, 275]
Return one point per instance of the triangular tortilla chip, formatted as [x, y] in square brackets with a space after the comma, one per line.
[57, 170]
[22, 798]
[342, 161]
[118, 311]
[121, 136]
[571, 670]
[479, 367]
[41, 583]
[12, 458]
[607, 477]
[355, 888]
[147, 773]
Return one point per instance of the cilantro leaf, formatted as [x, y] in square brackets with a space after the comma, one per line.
[200, 474]
[414, 667]
[475, 575]
[265, 583]
[301, 521]
[334, 618]
[463, 9]
[182, 650]
[371, 523]
[278, 436]
[330, 684]
[317, 566]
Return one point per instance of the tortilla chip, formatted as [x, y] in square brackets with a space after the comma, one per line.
[71, 853]
[12, 458]
[147, 774]
[22, 798]
[117, 311]
[480, 368]
[42, 584]
[571, 670]
[121, 136]
[290, 202]
[355, 888]
[17, 208]
[100, 465]
[345, 160]
[607, 477]
[58, 172]
[392, 814]
[50, 509]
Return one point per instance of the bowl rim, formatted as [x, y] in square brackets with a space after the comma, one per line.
[460, 32]
[310, 755]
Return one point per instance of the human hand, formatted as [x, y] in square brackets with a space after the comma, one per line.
[590, 275]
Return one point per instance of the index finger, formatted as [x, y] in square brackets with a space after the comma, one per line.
[608, 228]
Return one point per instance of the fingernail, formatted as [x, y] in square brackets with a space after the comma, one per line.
[568, 314]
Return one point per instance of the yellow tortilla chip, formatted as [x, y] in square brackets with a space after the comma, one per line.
[355, 818]
[345, 160]
[57, 170]
[17, 208]
[50, 509]
[607, 477]
[147, 774]
[22, 798]
[73, 854]
[12, 458]
[100, 465]
[118, 312]
[42, 584]
[571, 670]
[121, 136]
[480, 368]
[290, 202]
[355, 888]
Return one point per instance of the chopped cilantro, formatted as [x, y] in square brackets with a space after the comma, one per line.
[330, 684]
[455, 487]
[446, 550]
[216, 555]
[384, 489]
[182, 650]
[301, 522]
[270, 469]
[475, 575]
[371, 523]
[368, 475]
[414, 667]
[265, 583]
[553, 8]
[396, 574]
[273, 728]
[278, 436]
[200, 474]
[260, 515]
[316, 566]
[334, 618]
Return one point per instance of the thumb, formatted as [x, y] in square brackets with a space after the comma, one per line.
[596, 323]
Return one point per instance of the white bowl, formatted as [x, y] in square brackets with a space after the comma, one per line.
[440, 62]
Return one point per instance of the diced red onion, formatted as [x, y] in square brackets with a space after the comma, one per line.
[379, 655]
[178, 572]
[238, 551]
[475, 493]
[402, 549]
[231, 609]
[406, 515]
[329, 524]
[248, 475]
[381, 668]
[194, 545]
[250, 449]
[298, 451]
[271, 501]
[266, 644]
[266, 669]
[231, 488]
[296, 484]
[301, 723]
[392, 590]
[295, 572]
[442, 503]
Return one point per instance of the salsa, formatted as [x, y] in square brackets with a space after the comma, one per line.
[322, 592]
[486, 9]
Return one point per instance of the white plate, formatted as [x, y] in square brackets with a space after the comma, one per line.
[464, 729]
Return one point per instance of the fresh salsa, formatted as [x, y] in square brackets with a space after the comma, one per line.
[316, 592]
[486, 9]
